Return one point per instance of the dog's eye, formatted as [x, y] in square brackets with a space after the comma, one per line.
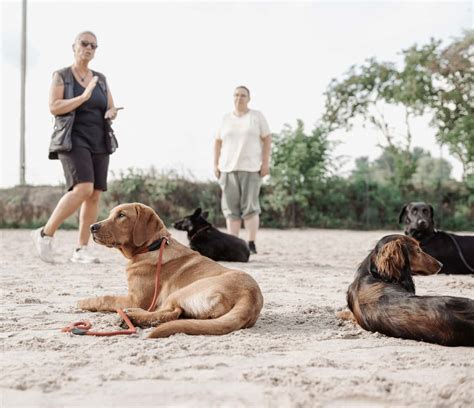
[425, 211]
[121, 215]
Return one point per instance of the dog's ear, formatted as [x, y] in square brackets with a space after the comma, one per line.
[406, 279]
[390, 260]
[205, 214]
[146, 225]
[431, 213]
[401, 216]
[406, 260]
[197, 212]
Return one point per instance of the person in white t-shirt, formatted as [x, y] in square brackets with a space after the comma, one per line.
[241, 158]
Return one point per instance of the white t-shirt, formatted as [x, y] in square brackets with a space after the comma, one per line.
[242, 141]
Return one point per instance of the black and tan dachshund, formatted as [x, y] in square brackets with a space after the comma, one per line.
[382, 297]
[455, 252]
[211, 242]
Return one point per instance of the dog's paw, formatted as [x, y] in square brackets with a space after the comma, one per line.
[137, 316]
[85, 304]
[134, 310]
[346, 314]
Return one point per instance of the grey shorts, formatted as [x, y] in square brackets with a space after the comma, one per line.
[240, 191]
[82, 166]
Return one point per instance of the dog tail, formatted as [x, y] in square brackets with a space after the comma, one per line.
[244, 314]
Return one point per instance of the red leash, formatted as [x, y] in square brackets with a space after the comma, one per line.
[83, 327]
[157, 276]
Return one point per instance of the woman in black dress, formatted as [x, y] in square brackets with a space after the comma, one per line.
[82, 103]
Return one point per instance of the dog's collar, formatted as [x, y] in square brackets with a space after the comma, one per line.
[424, 237]
[199, 230]
[156, 244]
[375, 274]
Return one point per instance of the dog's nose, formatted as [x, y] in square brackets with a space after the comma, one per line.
[95, 227]
[422, 223]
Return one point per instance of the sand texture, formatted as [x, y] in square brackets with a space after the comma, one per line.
[297, 355]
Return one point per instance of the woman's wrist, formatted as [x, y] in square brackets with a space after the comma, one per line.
[82, 98]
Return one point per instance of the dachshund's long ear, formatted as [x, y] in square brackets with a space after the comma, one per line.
[146, 224]
[402, 213]
[406, 260]
[390, 260]
[406, 279]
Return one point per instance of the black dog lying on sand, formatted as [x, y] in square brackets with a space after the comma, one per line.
[382, 297]
[455, 252]
[211, 242]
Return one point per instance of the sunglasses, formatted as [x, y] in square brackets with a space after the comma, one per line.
[85, 44]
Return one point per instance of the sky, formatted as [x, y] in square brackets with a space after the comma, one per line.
[174, 67]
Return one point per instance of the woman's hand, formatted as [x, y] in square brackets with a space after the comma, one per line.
[217, 172]
[89, 88]
[111, 113]
[265, 170]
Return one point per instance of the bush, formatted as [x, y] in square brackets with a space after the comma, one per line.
[170, 195]
[328, 202]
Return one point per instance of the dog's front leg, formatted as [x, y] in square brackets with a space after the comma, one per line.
[142, 318]
[346, 315]
[108, 303]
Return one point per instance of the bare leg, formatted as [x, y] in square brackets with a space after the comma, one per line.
[251, 225]
[67, 205]
[233, 226]
[87, 216]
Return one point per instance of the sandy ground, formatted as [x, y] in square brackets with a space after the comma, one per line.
[297, 355]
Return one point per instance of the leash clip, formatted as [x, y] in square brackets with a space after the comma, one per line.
[79, 332]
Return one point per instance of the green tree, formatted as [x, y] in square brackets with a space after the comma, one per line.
[453, 72]
[431, 173]
[363, 93]
[299, 168]
[432, 80]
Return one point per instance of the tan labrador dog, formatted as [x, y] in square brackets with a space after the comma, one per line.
[210, 298]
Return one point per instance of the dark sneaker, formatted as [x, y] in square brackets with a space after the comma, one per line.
[253, 249]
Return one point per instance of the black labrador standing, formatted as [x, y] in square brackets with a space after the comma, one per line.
[455, 252]
[211, 242]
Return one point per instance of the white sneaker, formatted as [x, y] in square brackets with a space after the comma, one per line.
[44, 245]
[82, 255]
